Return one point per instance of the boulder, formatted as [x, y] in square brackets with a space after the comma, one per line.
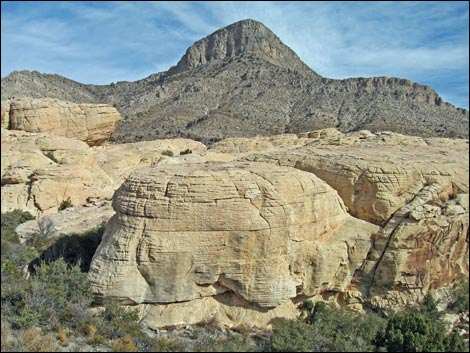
[71, 221]
[265, 233]
[91, 123]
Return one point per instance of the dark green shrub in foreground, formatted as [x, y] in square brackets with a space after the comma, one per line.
[460, 297]
[420, 329]
[55, 292]
[10, 220]
[14, 257]
[326, 330]
[291, 336]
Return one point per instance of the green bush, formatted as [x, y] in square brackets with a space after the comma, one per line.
[460, 297]
[291, 336]
[164, 344]
[10, 220]
[117, 321]
[420, 329]
[65, 204]
[326, 330]
[14, 256]
[54, 291]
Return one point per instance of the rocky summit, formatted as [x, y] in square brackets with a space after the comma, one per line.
[243, 81]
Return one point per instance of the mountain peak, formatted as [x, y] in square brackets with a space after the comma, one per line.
[240, 38]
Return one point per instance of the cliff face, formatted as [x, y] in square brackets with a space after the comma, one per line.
[247, 37]
[243, 81]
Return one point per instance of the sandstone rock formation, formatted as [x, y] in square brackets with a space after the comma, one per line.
[91, 123]
[5, 122]
[240, 241]
[119, 160]
[416, 189]
[264, 232]
[71, 221]
[244, 231]
[40, 170]
[242, 81]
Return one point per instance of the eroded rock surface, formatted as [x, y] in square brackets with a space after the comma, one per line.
[416, 189]
[69, 222]
[41, 170]
[180, 223]
[193, 230]
[91, 123]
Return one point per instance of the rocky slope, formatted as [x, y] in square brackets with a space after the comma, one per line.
[243, 81]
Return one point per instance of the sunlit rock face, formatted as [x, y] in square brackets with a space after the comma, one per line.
[263, 232]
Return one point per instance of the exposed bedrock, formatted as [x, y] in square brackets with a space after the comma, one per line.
[266, 233]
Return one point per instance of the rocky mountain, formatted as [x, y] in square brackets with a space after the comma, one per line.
[243, 81]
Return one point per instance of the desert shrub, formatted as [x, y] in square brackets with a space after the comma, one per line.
[34, 340]
[62, 336]
[460, 297]
[164, 344]
[243, 329]
[13, 254]
[54, 290]
[8, 340]
[116, 322]
[65, 204]
[326, 329]
[455, 343]
[291, 336]
[115, 312]
[411, 332]
[232, 343]
[98, 339]
[87, 325]
[10, 220]
[420, 329]
[306, 308]
[124, 344]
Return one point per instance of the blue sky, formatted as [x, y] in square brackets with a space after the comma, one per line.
[104, 42]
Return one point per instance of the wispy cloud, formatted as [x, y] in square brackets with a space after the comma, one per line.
[101, 42]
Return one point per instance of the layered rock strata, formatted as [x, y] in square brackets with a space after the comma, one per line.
[265, 233]
[91, 123]
[416, 189]
[222, 235]
[39, 170]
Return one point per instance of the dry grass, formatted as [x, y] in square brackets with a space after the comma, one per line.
[124, 344]
[34, 340]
